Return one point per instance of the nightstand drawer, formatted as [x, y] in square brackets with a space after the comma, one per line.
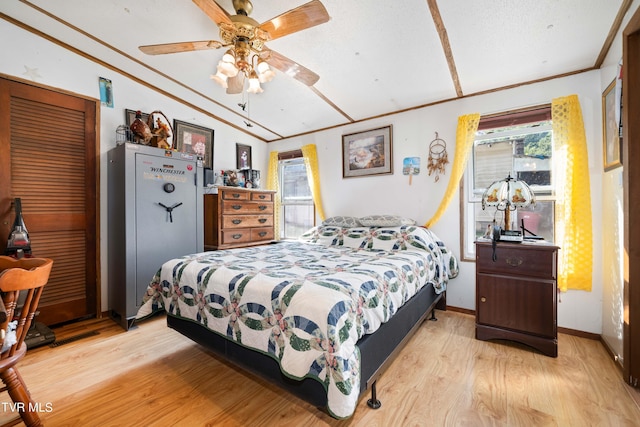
[517, 260]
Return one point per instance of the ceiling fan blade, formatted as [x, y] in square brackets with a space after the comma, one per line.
[290, 68]
[160, 49]
[213, 11]
[306, 16]
[235, 84]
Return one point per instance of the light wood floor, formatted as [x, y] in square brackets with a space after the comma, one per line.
[153, 376]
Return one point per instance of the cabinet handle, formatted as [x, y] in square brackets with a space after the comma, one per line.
[262, 233]
[262, 220]
[515, 261]
[236, 236]
[236, 207]
[262, 196]
[483, 299]
[235, 195]
[236, 221]
[262, 207]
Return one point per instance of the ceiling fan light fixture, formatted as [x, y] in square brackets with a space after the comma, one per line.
[229, 56]
[254, 83]
[229, 69]
[220, 78]
[265, 73]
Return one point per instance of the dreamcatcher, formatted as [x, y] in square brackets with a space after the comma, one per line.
[437, 157]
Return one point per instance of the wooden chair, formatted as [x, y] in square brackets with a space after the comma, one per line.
[28, 275]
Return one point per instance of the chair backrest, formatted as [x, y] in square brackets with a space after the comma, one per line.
[16, 275]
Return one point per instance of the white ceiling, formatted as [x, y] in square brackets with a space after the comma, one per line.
[374, 57]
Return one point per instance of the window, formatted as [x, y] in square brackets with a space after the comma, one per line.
[517, 144]
[297, 209]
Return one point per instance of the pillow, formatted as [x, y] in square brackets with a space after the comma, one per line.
[342, 221]
[323, 235]
[385, 221]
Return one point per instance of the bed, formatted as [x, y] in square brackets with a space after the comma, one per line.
[321, 316]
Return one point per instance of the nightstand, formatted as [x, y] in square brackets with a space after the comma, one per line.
[516, 294]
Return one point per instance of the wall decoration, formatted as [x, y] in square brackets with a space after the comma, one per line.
[194, 139]
[106, 92]
[367, 153]
[243, 156]
[610, 129]
[438, 157]
[411, 166]
[130, 116]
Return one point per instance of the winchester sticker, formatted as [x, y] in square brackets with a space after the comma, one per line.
[165, 173]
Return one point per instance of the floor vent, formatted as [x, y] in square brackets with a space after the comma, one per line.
[74, 338]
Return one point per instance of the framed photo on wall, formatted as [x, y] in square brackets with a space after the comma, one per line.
[367, 153]
[243, 156]
[194, 139]
[610, 129]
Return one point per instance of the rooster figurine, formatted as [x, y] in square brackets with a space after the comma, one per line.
[141, 131]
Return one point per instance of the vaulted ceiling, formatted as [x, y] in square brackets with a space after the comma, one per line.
[373, 57]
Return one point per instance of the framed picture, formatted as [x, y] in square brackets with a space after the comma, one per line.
[367, 153]
[194, 139]
[610, 129]
[243, 156]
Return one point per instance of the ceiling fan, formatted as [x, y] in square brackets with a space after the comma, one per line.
[247, 56]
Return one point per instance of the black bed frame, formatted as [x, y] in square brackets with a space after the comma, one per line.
[377, 350]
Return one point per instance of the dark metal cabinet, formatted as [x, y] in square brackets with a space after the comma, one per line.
[516, 294]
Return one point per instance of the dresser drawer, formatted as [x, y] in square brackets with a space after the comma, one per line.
[243, 221]
[262, 197]
[517, 260]
[231, 207]
[235, 195]
[262, 233]
[230, 237]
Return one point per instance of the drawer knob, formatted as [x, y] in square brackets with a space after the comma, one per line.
[236, 221]
[483, 299]
[262, 220]
[236, 236]
[262, 207]
[236, 207]
[262, 233]
[514, 261]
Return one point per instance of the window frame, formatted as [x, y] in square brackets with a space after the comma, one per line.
[469, 200]
[284, 159]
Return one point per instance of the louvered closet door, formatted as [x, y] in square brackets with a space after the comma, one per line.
[49, 161]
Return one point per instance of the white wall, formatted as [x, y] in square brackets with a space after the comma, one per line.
[613, 219]
[59, 68]
[412, 132]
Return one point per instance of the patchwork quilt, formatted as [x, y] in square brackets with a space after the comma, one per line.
[306, 303]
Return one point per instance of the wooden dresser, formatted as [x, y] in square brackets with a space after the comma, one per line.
[237, 217]
[516, 294]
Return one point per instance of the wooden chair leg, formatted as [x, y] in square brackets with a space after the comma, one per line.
[17, 389]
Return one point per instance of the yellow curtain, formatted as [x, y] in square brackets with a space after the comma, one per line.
[273, 183]
[310, 156]
[465, 134]
[573, 205]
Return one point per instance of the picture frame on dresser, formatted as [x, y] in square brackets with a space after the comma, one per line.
[194, 139]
